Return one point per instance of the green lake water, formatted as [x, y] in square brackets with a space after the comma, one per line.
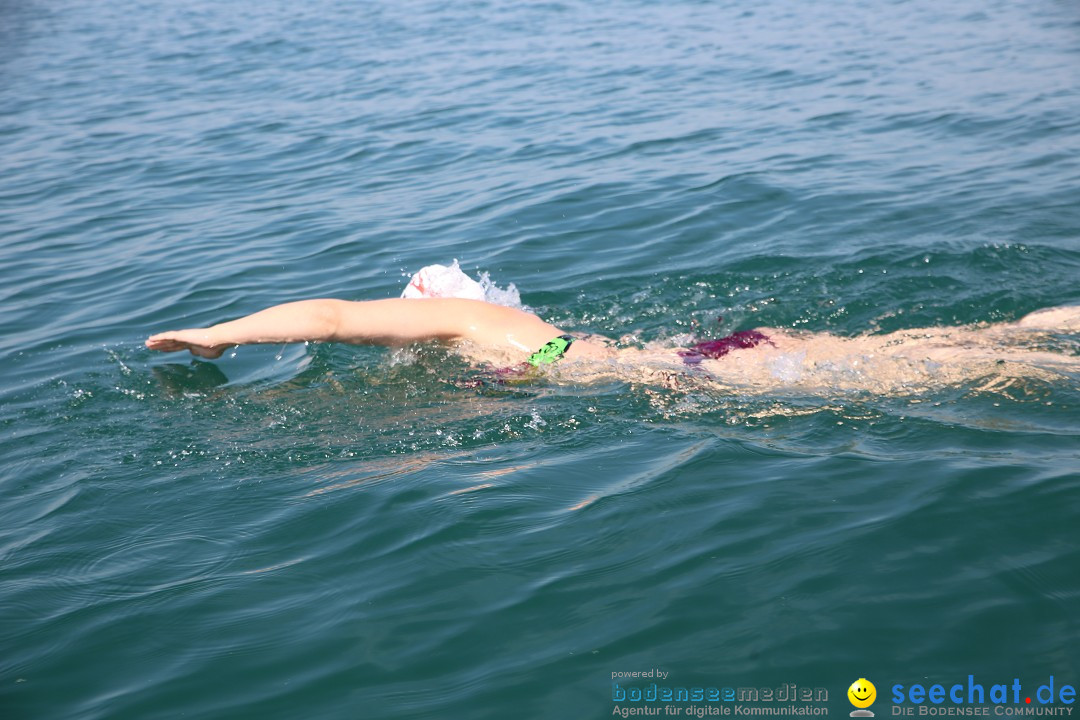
[339, 532]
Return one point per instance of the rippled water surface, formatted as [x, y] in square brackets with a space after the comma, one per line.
[340, 532]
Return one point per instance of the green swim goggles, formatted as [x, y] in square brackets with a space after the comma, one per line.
[552, 351]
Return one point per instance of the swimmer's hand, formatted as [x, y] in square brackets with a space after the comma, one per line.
[197, 340]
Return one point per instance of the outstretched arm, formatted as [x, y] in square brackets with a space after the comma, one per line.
[391, 322]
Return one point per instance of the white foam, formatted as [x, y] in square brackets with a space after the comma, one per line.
[508, 296]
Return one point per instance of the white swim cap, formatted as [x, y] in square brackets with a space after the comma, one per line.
[440, 281]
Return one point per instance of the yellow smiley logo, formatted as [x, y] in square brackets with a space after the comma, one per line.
[862, 693]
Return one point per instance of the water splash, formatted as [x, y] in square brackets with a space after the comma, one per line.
[508, 296]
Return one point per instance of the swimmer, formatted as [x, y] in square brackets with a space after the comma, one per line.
[756, 360]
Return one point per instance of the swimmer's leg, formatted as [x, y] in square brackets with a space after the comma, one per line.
[1059, 319]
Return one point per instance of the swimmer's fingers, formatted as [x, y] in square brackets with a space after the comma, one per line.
[195, 341]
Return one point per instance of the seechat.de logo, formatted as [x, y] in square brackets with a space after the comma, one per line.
[862, 695]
